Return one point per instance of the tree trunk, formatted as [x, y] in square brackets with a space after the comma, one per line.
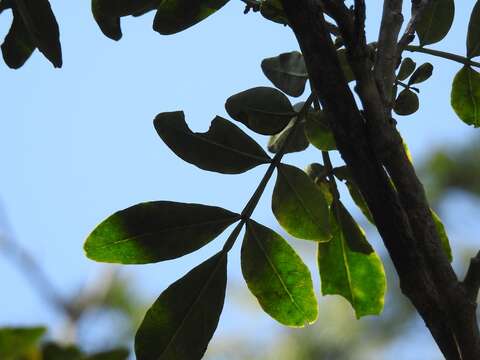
[373, 150]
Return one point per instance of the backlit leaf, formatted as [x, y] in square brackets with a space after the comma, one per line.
[15, 342]
[349, 267]
[406, 103]
[156, 231]
[287, 72]
[436, 21]
[299, 206]
[465, 97]
[443, 235]
[277, 277]
[422, 73]
[318, 131]
[473, 37]
[224, 148]
[176, 15]
[181, 322]
[264, 110]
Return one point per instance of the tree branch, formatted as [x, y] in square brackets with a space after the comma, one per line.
[472, 278]
[418, 6]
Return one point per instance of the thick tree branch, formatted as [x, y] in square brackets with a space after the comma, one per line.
[472, 278]
[403, 216]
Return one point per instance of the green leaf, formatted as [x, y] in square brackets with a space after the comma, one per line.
[443, 235]
[156, 231]
[406, 103]
[473, 35]
[299, 206]
[18, 44]
[107, 13]
[465, 97]
[52, 351]
[422, 73]
[177, 15]
[349, 267]
[42, 26]
[264, 110]
[224, 148]
[117, 354]
[318, 131]
[436, 21]
[318, 174]
[183, 319]
[406, 68]
[15, 342]
[287, 72]
[277, 277]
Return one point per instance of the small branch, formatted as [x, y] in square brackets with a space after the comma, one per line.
[406, 86]
[418, 6]
[472, 278]
[443, 54]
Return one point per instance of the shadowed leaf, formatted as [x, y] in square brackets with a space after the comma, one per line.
[18, 44]
[52, 351]
[176, 15]
[473, 36]
[287, 72]
[277, 277]
[406, 103]
[273, 11]
[422, 73]
[406, 68]
[436, 21]
[224, 148]
[443, 235]
[15, 342]
[181, 322]
[264, 110]
[465, 97]
[349, 267]
[318, 131]
[156, 231]
[299, 206]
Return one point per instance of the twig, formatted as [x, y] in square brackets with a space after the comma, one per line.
[443, 54]
[418, 7]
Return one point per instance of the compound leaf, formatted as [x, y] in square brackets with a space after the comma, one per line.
[156, 231]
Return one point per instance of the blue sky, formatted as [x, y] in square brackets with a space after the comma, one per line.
[77, 144]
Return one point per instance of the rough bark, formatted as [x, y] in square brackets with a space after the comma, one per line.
[373, 150]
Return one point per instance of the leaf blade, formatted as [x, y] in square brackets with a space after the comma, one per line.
[465, 96]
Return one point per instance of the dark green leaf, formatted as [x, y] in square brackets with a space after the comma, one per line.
[296, 142]
[443, 235]
[406, 103]
[465, 96]
[299, 206]
[52, 351]
[15, 342]
[273, 11]
[264, 110]
[287, 72]
[349, 267]
[107, 13]
[318, 174]
[406, 68]
[277, 277]
[183, 319]
[156, 231]
[422, 73]
[436, 21]
[176, 15]
[473, 37]
[40, 21]
[318, 131]
[18, 44]
[224, 148]
[118, 354]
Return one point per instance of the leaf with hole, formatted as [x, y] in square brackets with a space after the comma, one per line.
[264, 110]
[436, 21]
[224, 148]
[18, 44]
[473, 35]
[465, 97]
[406, 103]
[406, 68]
[156, 231]
[174, 16]
[299, 206]
[287, 72]
[422, 73]
[181, 322]
[318, 131]
[16, 342]
[349, 267]
[277, 277]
